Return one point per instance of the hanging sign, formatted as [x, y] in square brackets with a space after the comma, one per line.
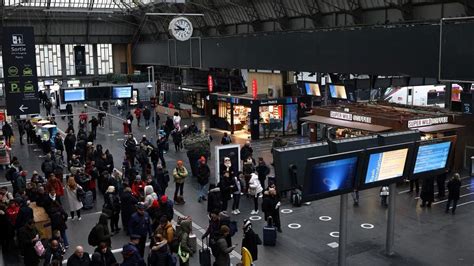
[254, 89]
[210, 83]
[19, 68]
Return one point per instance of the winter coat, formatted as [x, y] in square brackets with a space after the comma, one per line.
[245, 152]
[250, 241]
[128, 203]
[71, 199]
[186, 227]
[56, 185]
[254, 185]
[146, 114]
[76, 261]
[262, 170]
[166, 231]
[180, 174]
[58, 143]
[454, 187]
[222, 256]
[166, 209]
[203, 174]
[24, 215]
[58, 218]
[104, 259]
[214, 199]
[112, 202]
[427, 189]
[52, 254]
[140, 224]
[134, 259]
[102, 230]
[150, 196]
[25, 235]
[226, 185]
[159, 254]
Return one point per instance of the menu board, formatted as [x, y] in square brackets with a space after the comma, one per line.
[431, 157]
[386, 165]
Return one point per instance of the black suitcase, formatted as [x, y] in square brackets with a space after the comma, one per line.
[269, 233]
[205, 254]
[88, 202]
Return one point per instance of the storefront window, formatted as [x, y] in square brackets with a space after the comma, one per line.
[242, 118]
[271, 121]
[291, 119]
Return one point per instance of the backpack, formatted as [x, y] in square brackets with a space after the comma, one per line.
[11, 174]
[92, 238]
[48, 167]
[80, 193]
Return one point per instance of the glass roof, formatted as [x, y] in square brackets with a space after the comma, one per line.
[79, 4]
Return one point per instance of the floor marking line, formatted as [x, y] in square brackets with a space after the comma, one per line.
[446, 190]
[445, 200]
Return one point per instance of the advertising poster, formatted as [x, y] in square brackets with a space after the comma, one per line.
[231, 151]
[19, 66]
[291, 118]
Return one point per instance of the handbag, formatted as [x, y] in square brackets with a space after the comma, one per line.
[39, 248]
[183, 255]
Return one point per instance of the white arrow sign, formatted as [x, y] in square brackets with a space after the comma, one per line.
[23, 108]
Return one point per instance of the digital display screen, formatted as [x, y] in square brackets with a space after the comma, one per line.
[48, 82]
[124, 92]
[312, 89]
[74, 95]
[338, 92]
[432, 157]
[386, 165]
[333, 175]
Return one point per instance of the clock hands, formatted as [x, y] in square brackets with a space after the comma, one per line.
[179, 28]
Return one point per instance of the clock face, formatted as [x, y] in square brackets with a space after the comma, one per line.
[181, 28]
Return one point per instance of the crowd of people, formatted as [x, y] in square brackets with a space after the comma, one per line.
[136, 200]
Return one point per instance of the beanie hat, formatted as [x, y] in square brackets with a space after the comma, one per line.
[164, 198]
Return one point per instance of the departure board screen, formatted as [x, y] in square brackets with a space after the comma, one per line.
[432, 157]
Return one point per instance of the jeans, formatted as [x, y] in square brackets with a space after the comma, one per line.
[78, 212]
[202, 191]
[179, 187]
[64, 236]
[235, 204]
[455, 203]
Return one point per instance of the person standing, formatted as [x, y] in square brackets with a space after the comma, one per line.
[7, 132]
[251, 240]
[58, 221]
[47, 106]
[128, 202]
[161, 145]
[103, 256]
[177, 121]
[179, 173]
[271, 206]
[226, 139]
[140, 224]
[203, 174]
[184, 243]
[129, 121]
[75, 205]
[30, 132]
[147, 116]
[226, 184]
[112, 205]
[255, 190]
[238, 184]
[138, 115]
[427, 192]
[246, 151]
[223, 248]
[454, 187]
[28, 235]
[21, 129]
[262, 170]
[101, 117]
[59, 143]
[384, 192]
[70, 144]
[94, 124]
[131, 254]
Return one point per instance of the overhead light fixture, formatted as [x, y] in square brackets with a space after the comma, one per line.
[175, 14]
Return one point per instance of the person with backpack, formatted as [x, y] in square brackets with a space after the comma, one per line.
[74, 197]
[112, 208]
[185, 250]
[251, 240]
[100, 232]
[140, 224]
[166, 230]
[222, 247]
[48, 165]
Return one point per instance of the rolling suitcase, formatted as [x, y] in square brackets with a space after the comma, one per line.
[269, 233]
[88, 202]
[205, 254]
[192, 241]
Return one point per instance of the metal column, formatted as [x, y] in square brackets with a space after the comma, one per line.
[342, 231]
[391, 220]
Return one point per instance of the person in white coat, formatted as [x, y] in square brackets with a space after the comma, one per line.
[255, 190]
[75, 205]
[150, 196]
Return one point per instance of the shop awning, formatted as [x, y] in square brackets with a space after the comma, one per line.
[346, 124]
[439, 128]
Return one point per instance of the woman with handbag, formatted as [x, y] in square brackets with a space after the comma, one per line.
[74, 195]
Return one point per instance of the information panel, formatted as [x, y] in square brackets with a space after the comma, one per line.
[19, 67]
[76, 95]
[124, 92]
[386, 165]
[432, 157]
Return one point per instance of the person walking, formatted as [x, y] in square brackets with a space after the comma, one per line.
[72, 198]
[58, 221]
[271, 206]
[184, 243]
[131, 253]
[179, 173]
[255, 190]
[94, 124]
[251, 240]
[129, 121]
[161, 145]
[203, 174]
[138, 115]
[8, 133]
[177, 139]
[147, 116]
[454, 187]
[21, 129]
[102, 233]
[140, 224]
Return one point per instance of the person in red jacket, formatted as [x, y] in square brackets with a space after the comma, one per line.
[138, 188]
[55, 183]
[138, 114]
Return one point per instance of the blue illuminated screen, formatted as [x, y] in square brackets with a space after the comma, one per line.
[432, 157]
[338, 92]
[333, 175]
[122, 92]
[74, 95]
[386, 165]
[312, 89]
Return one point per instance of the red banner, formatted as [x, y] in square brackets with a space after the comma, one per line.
[210, 83]
[254, 89]
[2, 116]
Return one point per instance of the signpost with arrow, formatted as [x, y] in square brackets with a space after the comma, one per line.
[19, 67]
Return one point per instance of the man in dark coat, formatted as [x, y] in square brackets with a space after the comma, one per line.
[246, 151]
[70, 144]
[203, 174]
[147, 116]
[140, 224]
[128, 207]
[271, 207]
[131, 254]
[27, 237]
[21, 129]
[102, 230]
[454, 187]
[262, 170]
[427, 192]
[250, 240]
[79, 258]
[25, 214]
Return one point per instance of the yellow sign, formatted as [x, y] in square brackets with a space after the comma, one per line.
[29, 88]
